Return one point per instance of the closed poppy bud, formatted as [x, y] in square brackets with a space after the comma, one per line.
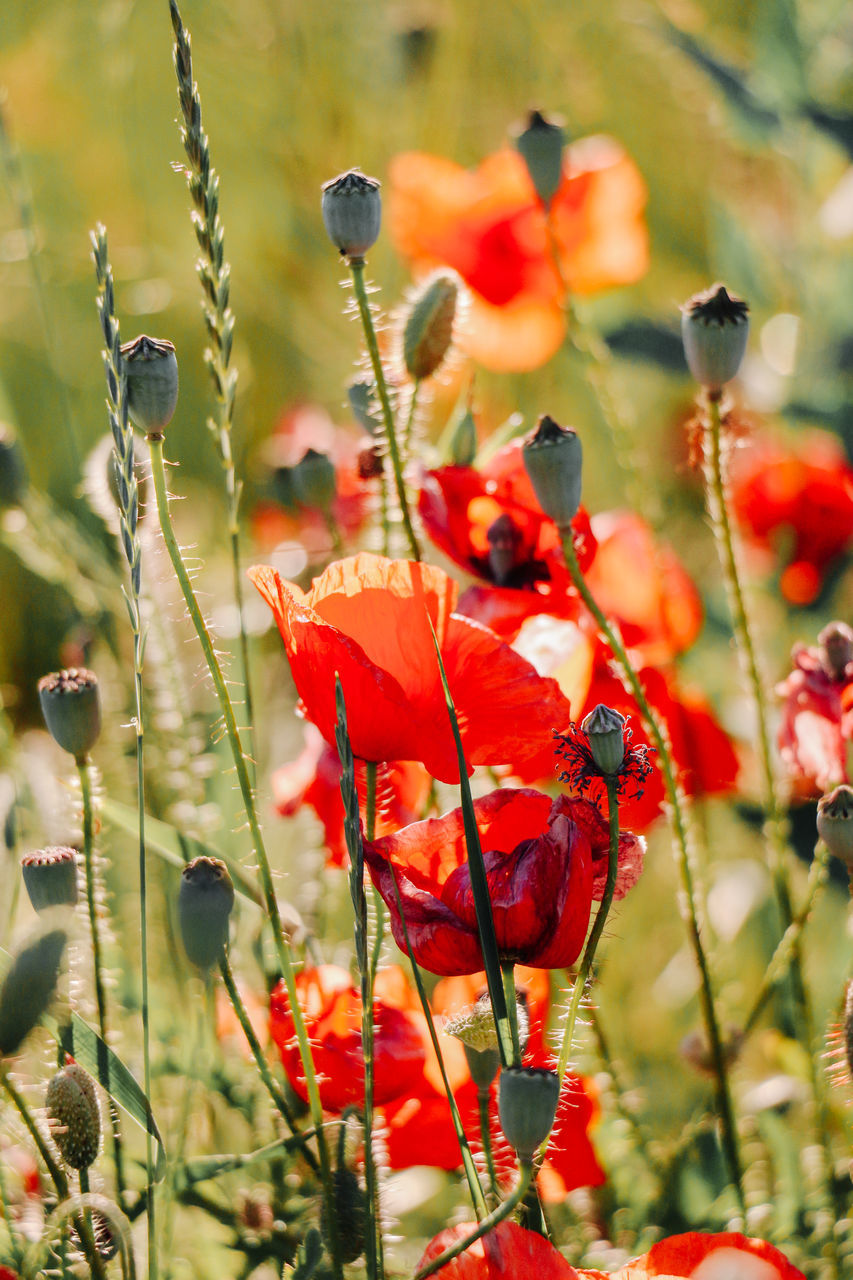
[605, 729]
[13, 472]
[71, 706]
[352, 212]
[29, 986]
[714, 329]
[72, 1111]
[553, 459]
[527, 1105]
[835, 823]
[50, 877]
[350, 1214]
[836, 649]
[428, 331]
[204, 906]
[463, 444]
[151, 369]
[540, 145]
[313, 480]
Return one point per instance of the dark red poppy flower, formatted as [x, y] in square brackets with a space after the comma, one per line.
[509, 1252]
[369, 619]
[817, 713]
[314, 779]
[332, 1009]
[489, 227]
[541, 857]
[797, 505]
[698, 1255]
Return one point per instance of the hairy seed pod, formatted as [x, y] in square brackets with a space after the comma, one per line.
[75, 1120]
[428, 331]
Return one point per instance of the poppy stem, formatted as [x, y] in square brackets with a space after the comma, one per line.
[367, 968]
[688, 899]
[508, 974]
[488, 1224]
[483, 1096]
[356, 266]
[582, 977]
[97, 959]
[158, 476]
[410, 416]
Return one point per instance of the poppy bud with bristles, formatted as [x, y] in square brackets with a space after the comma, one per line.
[50, 877]
[527, 1105]
[714, 330]
[204, 906]
[428, 331]
[72, 1111]
[151, 369]
[29, 986]
[71, 706]
[540, 145]
[352, 212]
[553, 459]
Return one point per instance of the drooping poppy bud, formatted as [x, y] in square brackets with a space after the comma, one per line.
[835, 823]
[50, 877]
[151, 369]
[204, 906]
[29, 986]
[714, 330]
[605, 729]
[74, 1117]
[352, 212]
[71, 706]
[553, 459]
[540, 145]
[313, 480]
[350, 1214]
[428, 331]
[527, 1105]
[13, 471]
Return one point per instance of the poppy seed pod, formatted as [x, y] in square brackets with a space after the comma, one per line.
[605, 729]
[313, 480]
[29, 986]
[50, 877]
[540, 145]
[75, 1121]
[553, 459]
[835, 823]
[71, 706]
[714, 330]
[428, 331]
[151, 369]
[527, 1105]
[352, 212]
[204, 906]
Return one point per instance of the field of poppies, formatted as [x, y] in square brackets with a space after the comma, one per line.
[426, 662]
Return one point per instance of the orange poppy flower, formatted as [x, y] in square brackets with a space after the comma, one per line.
[698, 1255]
[369, 619]
[490, 227]
[509, 1252]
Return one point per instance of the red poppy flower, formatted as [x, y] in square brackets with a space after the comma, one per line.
[369, 619]
[332, 1010]
[314, 779]
[489, 226]
[700, 1256]
[798, 505]
[541, 857]
[509, 1252]
[817, 718]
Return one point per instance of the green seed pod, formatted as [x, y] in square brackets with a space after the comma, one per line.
[204, 906]
[553, 459]
[29, 986]
[352, 212]
[463, 444]
[714, 330]
[835, 823]
[527, 1105]
[350, 1215]
[605, 729]
[540, 145]
[151, 368]
[313, 480]
[13, 471]
[71, 706]
[428, 331]
[483, 1065]
[50, 877]
[75, 1120]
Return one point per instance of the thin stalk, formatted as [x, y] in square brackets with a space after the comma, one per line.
[356, 266]
[621, 1090]
[483, 1098]
[508, 974]
[158, 474]
[97, 960]
[279, 1100]
[687, 902]
[488, 1224]
[410, 416]
[373, 1243]
[611, 782]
